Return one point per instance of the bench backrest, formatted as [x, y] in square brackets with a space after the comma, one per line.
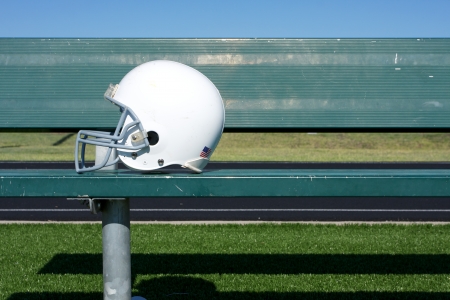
[266, 84]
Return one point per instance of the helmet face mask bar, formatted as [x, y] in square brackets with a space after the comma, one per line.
[108, 139]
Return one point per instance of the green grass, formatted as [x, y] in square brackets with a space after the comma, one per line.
[267, 261]
[303, 147]
[338, 147]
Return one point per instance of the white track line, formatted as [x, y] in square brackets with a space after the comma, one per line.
[291, 210]
[235, 210]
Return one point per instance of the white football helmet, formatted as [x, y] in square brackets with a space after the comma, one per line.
[171, 115]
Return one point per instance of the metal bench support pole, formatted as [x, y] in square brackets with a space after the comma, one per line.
[116, 249]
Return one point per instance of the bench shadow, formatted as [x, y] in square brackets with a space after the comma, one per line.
[257, 264]
[55, 296]
[185, 287]
[178, 284]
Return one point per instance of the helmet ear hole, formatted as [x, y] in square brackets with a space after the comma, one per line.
[153, 138]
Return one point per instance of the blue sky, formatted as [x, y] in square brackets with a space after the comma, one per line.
[230, 18]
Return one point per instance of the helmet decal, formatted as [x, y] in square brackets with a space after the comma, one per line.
[205, 152]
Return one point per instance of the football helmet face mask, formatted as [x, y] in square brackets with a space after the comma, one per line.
[171, 115]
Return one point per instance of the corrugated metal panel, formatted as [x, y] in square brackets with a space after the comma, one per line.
[265, 83]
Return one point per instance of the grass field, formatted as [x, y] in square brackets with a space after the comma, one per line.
[300, 147]
[267, 261]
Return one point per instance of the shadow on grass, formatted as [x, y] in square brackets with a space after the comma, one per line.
[63, 139]
[184, 287]
[257, 264]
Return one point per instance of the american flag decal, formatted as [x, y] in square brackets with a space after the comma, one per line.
[205, 152]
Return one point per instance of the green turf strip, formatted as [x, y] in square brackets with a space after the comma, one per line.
[267, 261]
[303, 147]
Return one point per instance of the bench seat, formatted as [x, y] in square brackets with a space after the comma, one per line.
[227, 183]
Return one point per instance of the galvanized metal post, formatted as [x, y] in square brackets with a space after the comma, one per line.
[116, 249]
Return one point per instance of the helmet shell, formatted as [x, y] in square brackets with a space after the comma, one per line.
[178, 106]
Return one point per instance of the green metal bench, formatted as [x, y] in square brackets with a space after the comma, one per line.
[267, 85]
